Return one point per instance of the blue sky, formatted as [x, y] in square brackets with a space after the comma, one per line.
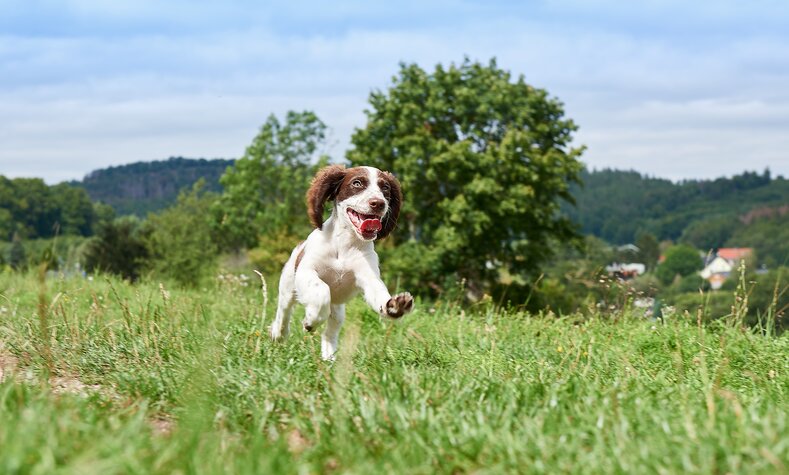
[674, 89]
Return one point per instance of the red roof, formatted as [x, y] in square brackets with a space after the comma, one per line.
[734, 253]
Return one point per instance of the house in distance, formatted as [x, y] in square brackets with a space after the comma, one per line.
[722, 263]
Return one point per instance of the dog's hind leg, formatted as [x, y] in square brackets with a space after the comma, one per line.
[315, 295]
[280, 328]
[332, 332]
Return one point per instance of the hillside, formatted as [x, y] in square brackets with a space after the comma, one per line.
[141, 187]
[616, 205]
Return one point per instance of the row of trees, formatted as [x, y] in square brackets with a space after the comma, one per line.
[31, 209]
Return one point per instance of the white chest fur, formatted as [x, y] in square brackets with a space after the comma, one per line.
[340, 278]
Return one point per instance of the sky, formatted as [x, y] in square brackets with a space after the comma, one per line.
[673, 89]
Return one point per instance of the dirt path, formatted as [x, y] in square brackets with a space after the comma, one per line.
[162, 424]
[60, 384]
[8, 363]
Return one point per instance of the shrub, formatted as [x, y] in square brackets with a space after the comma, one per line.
[180, 244]
[680, 260]
[118, 248]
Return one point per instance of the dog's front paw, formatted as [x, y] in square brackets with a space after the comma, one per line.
[399, 305]
[278, 333]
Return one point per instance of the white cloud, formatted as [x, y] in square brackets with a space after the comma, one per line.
[676, 106]
[706, 138]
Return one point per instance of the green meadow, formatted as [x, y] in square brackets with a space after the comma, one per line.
[102, 376]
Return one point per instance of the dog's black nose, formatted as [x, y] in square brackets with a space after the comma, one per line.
[376, 204]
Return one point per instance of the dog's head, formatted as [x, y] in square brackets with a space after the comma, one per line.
[367, 199]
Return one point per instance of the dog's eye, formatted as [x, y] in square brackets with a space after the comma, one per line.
[385, 186]
[356, 183]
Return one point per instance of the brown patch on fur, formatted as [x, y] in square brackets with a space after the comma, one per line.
[324, 187]
[393, 193]
[300, 255]
[347, 189]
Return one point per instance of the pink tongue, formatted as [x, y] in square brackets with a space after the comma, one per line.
[369, 225]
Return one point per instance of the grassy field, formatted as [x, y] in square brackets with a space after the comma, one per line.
[106, 377]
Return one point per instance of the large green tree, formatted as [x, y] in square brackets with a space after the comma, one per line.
[264, 190]
[484, 159]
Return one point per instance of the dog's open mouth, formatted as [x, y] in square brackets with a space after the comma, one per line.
[367, 225]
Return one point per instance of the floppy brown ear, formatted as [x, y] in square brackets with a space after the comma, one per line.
[324, 187]
[389, 221]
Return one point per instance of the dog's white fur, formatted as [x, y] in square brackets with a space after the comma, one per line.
[337, 260]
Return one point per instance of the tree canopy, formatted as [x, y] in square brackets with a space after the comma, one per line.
[484, 159]
[264, 190]
[32, 209]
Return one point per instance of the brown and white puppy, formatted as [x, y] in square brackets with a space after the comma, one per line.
[338, 259]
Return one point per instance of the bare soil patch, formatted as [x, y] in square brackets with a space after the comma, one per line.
[162, 424]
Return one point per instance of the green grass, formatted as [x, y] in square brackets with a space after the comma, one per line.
[444, 391]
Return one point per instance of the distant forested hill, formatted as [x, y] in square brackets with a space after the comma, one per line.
[617, 205]
[142, 187]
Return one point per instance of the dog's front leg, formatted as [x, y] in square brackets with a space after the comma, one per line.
[377, 296]
[315, 295]
[332, 332]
